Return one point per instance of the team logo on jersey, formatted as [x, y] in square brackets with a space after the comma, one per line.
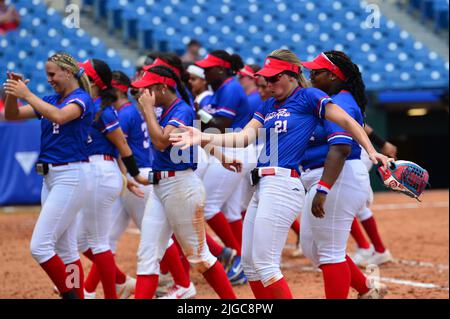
[210, 109]
[277, 114]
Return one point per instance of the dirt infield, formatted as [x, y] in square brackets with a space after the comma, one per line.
[417, 234]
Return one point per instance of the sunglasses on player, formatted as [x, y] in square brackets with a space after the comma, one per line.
[274, 79]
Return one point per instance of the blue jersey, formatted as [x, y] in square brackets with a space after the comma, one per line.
[179, 113]
[329, 133]
[98, 143]
[135, 130]
[66, 143]
[231, 102]
[254, 101]
[291, 124]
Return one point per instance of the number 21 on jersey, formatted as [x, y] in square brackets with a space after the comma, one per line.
[280, 126]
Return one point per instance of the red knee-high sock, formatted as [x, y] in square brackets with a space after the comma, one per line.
[358, 235]
[175, 266]
[107, 269]
[79, 282]
[217, 279]
[92, 280]
[371, 228]
[213, 246]
[296, 227]
[146, 286]
[259, 291]
[220, 226]
[163, 268]
[184, 260]
[279, 290]
[336, 278]
[236, 228]
[56, 270]
[120, 276]
[358, 279]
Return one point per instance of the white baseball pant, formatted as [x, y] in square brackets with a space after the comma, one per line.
[175, 206]
[97, 213]
[64, 191]
[324, 240]
[273, 208]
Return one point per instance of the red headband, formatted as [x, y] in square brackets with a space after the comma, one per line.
[121, 87]
[90, 71]
[322, 62]
[211, 61]
[151, 78]
[158, 61]
[274, 66]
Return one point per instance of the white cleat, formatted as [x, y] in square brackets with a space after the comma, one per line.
[375, 293]
[178, 292]
[125, 290]
[361, 255]
[165, 283]
[89, 295]
[297, 252]
[380, 258]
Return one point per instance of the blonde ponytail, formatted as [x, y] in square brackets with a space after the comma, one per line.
[66, 61]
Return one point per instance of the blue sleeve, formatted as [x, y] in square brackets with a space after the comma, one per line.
[336, 134]
[316, 101]
[227, 102]
[260, 113]
[182, 116]
[125, 122]
[81, 101]
[109, 120]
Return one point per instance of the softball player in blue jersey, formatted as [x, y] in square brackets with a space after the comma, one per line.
[175, 186]
[228, 109]
[105, 139]
[290, 117]
[336, 179]
[65, 120]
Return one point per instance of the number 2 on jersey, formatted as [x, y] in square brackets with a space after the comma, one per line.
[281, 126]
[55, 128]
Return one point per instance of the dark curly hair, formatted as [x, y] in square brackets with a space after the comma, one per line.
[354, 83]
[108, 95]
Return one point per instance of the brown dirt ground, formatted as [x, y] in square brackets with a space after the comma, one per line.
[419, 233]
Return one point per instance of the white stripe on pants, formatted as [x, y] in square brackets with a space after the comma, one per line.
[175, 206]
[275, 205]
[63, 195]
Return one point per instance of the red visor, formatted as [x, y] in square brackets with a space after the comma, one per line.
[150, 78]
[158, 61]
[90, 71]
[322, 62]
[121, 87]
[246, 71]
[273, 67]
[211, 61]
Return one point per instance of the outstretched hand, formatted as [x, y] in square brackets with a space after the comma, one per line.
[376, 157]
[188, 137]
[17, 87]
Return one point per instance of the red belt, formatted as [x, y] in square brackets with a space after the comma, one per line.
[272, 172]
[165, 174]
[108, 157]
[62, 164]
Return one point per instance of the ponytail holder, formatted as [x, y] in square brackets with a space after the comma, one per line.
[79, 73]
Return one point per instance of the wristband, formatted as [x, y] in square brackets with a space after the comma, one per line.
[376, 139]
[323, 187]
[205, 117]
[130, 164]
